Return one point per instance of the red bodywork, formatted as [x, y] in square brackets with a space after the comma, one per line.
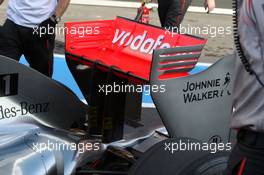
[123, 44]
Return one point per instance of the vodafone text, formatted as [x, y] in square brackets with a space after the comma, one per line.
[141, 43]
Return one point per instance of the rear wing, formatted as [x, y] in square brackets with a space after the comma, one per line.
[125, 45]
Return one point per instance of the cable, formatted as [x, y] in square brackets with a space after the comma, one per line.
[239, 48]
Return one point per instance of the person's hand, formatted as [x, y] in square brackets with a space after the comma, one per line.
[209, 5]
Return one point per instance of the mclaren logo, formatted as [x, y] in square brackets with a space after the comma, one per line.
[215, 139]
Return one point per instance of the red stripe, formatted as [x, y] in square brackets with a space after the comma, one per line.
[249, 6]
[184, 2]
[49, 67]
[47, 44]
[49, 61]
[178, 18]
[242, 167]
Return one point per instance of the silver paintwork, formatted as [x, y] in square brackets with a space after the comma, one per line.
[55, 105]
[20, 133]
[19, 154]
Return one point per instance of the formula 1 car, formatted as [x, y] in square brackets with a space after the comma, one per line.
[45, 129]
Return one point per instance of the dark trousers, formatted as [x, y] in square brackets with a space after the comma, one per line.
[247, 157]
[171, 12]
[16, 40]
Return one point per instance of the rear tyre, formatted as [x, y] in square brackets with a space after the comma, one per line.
[158, 161]
[210, 164]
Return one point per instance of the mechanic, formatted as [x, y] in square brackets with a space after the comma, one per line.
[247, 156]
[171, 12]
[20, 33]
